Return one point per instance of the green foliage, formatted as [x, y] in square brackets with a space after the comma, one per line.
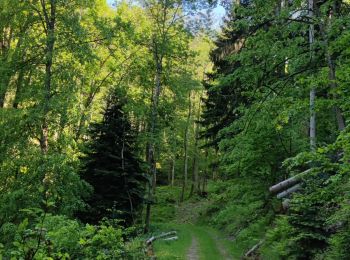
[59, 62]
[166, 199]
[255, 113]
[57, 236]
[238, 207]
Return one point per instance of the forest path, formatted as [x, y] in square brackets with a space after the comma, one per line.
[196, 239]
[192, 253]
[207, 243]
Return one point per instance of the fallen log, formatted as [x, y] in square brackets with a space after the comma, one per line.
[288, 182]
[289, 191]
[153, 238]
[255, 247]
[285, 204]
[171, 238]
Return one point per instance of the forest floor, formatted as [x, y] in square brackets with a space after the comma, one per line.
[196, 240]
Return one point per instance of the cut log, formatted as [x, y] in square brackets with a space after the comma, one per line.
[285, 184]
[289, 182]
[285, 204]
[289, 191]
[153, 238]
[171, 238]
[255, 247]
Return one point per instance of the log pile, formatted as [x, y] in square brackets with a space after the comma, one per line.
[169, 236]
[285, 188]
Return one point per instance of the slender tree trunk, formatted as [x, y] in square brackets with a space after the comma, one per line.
[313, 90]
[332, 79]
[184, 181]
[331, 67]
[18, 57]
[50, 21]
[173, 172]
[153, 124]
[169, 171]
[194, 186]
[18, 88]
[5, 76]
[125, 180]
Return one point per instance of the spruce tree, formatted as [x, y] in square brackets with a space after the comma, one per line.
[112, 169]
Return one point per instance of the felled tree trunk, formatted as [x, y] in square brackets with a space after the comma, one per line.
[289, 182]
[289, 191]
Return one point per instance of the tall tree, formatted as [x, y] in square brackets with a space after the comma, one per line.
[112, 168]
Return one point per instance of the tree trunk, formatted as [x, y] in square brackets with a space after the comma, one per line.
[158, 59]
[5, 76]
[313, 90]
[18, 57]
[331, 66]
[184, 181]
[194, 186]
[289, 191]
[171, 175]
[50, 21]
[173, 172]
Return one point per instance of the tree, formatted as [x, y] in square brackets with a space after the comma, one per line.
[168, 44]
[112, 168]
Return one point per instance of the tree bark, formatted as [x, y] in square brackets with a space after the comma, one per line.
[11, 61]
[185, 176]
[158, 59]
[173, 172]
[313, 90]
[194, 186]
[289, 191]
[331, 66]
[5, 43]
[50, 21]
[288, 182]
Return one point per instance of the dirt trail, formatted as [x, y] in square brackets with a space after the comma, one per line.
[193, 250]
[190, 213]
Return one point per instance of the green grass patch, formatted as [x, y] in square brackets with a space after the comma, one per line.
[173, 249]
[207, 246]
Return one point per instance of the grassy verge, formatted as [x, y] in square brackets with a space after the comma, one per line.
[173, 249]
[207, 246]
[205, 236]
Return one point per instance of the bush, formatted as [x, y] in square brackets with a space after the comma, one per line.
[58, 237]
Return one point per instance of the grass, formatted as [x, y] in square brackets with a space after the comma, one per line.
[173, 249]
[188, 220]
[207, 245]
[205, 236]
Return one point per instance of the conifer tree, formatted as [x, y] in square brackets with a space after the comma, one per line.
[112, 168]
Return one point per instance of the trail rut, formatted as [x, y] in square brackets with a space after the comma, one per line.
[193, 250]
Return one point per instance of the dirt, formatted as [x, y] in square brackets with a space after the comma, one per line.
[193, 250]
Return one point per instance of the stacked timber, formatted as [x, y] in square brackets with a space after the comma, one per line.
[288, 186]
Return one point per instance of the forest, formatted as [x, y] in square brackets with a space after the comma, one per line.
[151, 129]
